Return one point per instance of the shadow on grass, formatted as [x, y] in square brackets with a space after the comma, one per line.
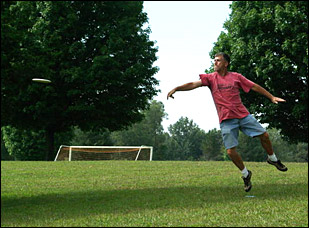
[79, 204]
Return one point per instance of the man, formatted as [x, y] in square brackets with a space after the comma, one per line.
[233, 115]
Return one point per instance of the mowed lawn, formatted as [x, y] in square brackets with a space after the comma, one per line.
[151, 193]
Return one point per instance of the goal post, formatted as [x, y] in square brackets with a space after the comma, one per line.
[80, 153]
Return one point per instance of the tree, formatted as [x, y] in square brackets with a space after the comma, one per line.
[97, 55]
[148, 132]
[212, 146]
[28, 145]
[91, 138]
[268, 43]
[4, 152]
[185, 140]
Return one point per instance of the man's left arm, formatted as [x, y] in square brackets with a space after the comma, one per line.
[261, 90]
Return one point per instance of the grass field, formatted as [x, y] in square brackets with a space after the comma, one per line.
[157, 193]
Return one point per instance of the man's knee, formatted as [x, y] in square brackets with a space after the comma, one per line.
[231, 151]
[264, 136]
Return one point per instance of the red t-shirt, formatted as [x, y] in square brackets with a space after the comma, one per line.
[225, 92]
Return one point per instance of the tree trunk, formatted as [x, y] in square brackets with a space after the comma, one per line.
[50, 139]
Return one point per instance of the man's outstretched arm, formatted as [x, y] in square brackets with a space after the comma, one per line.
[261, 90]
[185, 87]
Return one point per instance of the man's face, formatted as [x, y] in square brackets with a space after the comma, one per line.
[220, 63]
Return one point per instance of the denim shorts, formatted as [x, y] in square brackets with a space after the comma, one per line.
[230, 129]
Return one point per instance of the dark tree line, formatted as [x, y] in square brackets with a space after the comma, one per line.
[183, 141]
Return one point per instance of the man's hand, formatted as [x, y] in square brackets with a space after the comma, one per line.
[277, 99]
[170, 94]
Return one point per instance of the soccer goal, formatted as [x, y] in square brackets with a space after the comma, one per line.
[82, 153]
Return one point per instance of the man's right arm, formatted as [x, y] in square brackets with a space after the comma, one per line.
[185, 87]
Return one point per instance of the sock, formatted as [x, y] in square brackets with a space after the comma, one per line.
[273, 157]
[245, 172]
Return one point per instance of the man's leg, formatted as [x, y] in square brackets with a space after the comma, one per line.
[237, 160]
[272, 159]
[266, 143]
[230, 132]
[235, 157]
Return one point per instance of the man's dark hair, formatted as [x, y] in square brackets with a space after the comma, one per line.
[225, 56]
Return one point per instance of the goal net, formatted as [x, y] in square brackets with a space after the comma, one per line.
[81, 153]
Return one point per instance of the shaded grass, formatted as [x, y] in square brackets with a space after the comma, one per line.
[143, 193]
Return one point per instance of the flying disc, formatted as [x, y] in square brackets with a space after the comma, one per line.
[41, 80]
[250, 196]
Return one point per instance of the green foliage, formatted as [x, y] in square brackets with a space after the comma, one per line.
[90, 138]
[268, 43]
[5, 156]
[185, 140]
[100, 63]
[148, 132]
[24, 145]
[97, 54]
[30, 145]
[212, 146]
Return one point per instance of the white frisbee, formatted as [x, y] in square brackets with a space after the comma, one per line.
[41, 80]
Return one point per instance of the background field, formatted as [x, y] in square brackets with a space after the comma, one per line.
[143, 193]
